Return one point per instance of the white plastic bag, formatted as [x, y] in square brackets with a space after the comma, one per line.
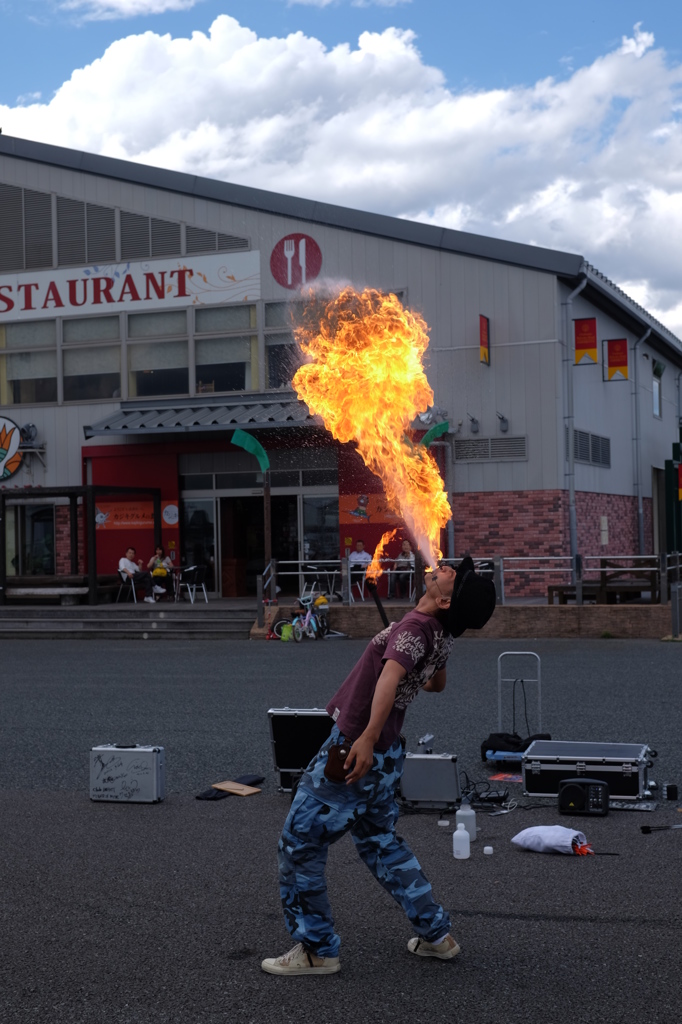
[549, 839]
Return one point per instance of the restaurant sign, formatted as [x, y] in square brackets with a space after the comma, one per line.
[136, 287]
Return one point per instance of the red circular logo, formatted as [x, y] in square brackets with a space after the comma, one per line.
[295, 260]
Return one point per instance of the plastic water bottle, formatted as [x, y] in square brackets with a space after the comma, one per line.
[466, 815]
[460, 842]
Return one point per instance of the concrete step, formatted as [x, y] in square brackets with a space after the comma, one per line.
[129, 634]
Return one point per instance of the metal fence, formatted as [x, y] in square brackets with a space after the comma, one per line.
[576, 579]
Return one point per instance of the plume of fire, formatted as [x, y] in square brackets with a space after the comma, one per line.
[364, 376]
[375, 569]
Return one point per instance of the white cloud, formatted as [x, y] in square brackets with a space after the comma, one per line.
[109, 10]
[589, 163]
[354, 3]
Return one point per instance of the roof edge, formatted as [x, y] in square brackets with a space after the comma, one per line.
[396, 228]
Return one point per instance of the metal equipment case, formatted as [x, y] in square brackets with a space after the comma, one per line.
[623, 766]
[430, 781]
[129, 774]
[296, 734]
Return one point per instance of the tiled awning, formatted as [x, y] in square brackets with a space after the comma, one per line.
[149, 419]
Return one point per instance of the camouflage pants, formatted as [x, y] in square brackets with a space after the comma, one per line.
[322, 812]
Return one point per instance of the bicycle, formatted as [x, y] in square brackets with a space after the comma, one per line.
[312, 624]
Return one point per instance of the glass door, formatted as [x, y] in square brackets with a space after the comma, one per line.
[198, 542]
[320, 533]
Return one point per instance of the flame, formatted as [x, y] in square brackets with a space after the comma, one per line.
[374, 569]
[364, 376]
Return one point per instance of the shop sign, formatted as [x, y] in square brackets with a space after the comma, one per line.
[296, 260]
[10, 456]
[133, 515]
[134, 287]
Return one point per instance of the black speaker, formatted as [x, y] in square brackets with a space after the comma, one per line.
[583, 796]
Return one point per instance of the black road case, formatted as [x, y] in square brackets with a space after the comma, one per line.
[297, 734]
[623, 766]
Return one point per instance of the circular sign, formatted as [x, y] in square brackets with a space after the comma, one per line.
[170, 515]
[10, 456]
[295, 260]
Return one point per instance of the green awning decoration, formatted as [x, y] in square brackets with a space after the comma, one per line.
[250, 444]
[436, 431]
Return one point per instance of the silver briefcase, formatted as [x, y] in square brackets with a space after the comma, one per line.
[128, 774]
[430, 781]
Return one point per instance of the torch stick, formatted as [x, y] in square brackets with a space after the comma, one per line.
[372, 587]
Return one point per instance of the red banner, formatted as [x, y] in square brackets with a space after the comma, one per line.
[484, 338]
[617, 358]
[586, 340]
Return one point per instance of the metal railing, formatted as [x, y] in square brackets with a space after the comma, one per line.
[336, 576]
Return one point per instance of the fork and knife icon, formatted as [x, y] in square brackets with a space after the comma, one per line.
[290, 252]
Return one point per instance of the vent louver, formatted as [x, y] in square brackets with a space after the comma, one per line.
[591, 449]
[37, 229]
[490, 449]
[11, 228]
[135, 242]
[231, 243]
[165, 238]
[200, 240]
[101, 231]
[70, 231]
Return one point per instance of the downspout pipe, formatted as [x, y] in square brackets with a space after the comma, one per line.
[636, 444]
[569, 359]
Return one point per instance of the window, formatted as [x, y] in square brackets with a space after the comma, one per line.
[91, 373]
[282, 314]
[28, 376]
[281, 352]
[281, 360]
[158, 368]
[658, 371]
[157, 325]
[30, 540]
[226, 364]
[216, 319]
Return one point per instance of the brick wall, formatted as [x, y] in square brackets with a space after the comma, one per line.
[62, 519]
[527, 523]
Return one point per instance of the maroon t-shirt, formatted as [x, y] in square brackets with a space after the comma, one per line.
[419, 644]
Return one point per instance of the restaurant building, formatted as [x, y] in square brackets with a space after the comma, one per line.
[146, 314]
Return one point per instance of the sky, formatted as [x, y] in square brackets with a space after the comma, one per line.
[539, 123]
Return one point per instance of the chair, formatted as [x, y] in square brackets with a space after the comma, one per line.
[126, 581]
[192, 577]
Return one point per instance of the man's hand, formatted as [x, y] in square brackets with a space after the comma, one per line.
[360, 758]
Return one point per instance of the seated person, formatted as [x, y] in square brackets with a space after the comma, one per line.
[134, 570]
[403, 567]
[358, 561]
[161, 568]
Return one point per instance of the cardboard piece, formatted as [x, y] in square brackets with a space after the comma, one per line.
[236, 788]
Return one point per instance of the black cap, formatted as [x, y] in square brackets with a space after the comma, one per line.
[473, 599]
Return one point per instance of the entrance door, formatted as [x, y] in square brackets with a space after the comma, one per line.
[198, 536]
[242, 542]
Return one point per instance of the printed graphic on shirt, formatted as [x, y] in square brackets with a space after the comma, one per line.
[407, 642]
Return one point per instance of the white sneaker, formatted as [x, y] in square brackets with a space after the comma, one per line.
[445, 950]
[300, 961]
[149, 600]
[159, 590]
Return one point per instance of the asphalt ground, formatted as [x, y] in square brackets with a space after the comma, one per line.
[161, 913]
